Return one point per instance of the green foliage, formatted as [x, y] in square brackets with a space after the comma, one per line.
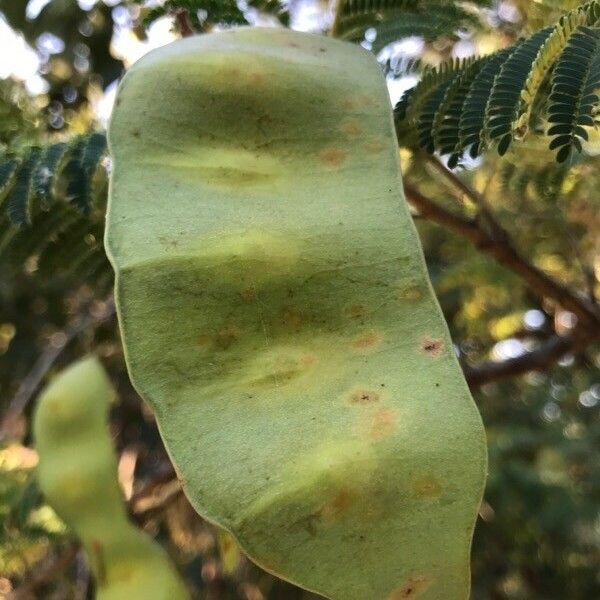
[502, 108]
[445, 117]
[574, 99]
[19, 199]
[454, 111]
[8, 169]
[47, 170]
[57, 194]
[267, 300]
[394, 19]
[522, 179]
[19, 119]
[35, 180]
[77, 474]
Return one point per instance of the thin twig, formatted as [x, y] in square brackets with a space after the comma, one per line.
[547, 354]
[36, 375]
[335, 9]
[182, 18]
[150, 495]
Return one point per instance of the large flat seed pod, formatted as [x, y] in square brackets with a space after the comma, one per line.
[277, 315]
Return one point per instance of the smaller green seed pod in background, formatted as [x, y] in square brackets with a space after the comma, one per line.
[77, 473]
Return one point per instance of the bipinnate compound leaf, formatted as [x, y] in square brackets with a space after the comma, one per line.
[77, 473]
[277, 315]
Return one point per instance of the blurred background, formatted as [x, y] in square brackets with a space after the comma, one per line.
[538, 533]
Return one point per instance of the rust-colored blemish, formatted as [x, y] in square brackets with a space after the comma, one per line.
[307, 360]
[346, 104]
[383, 423]
[366, 100]
[413, 588]
[332, 156]
[363, 396]
[203, 340]
[258, 78]
[355, 311]
[227, 336]
[367, 341]
[338, 505]
[293, 318]
[373, 145]
[167, 242]
[432, 346]
[283, 369]
[412, 293]
[231, 72]
[426, 486]
[352, 128]
[248, 294]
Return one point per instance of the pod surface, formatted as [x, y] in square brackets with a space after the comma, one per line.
[277, 315]
[77, 473]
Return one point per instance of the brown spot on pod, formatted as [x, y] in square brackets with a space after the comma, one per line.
[227, 336]
[346, 104]
[426, 486]
[432, 346]
[167, 242]
[332, 157]
[374, 145]
[204, 340]
[367, 100]
[355, 311]
[293, 318]
[413, 588]
[383, 423]
[248, 294]
[338, 505]
[258, 78]
[363, 396]
[351, 127]
[307, 360]
[367, 341]
[410, 293]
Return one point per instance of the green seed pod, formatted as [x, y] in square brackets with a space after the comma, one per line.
[77, 473]
[277, 315]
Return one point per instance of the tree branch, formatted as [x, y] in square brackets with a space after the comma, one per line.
[496, 243]
[539, 359]
[182, 18]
